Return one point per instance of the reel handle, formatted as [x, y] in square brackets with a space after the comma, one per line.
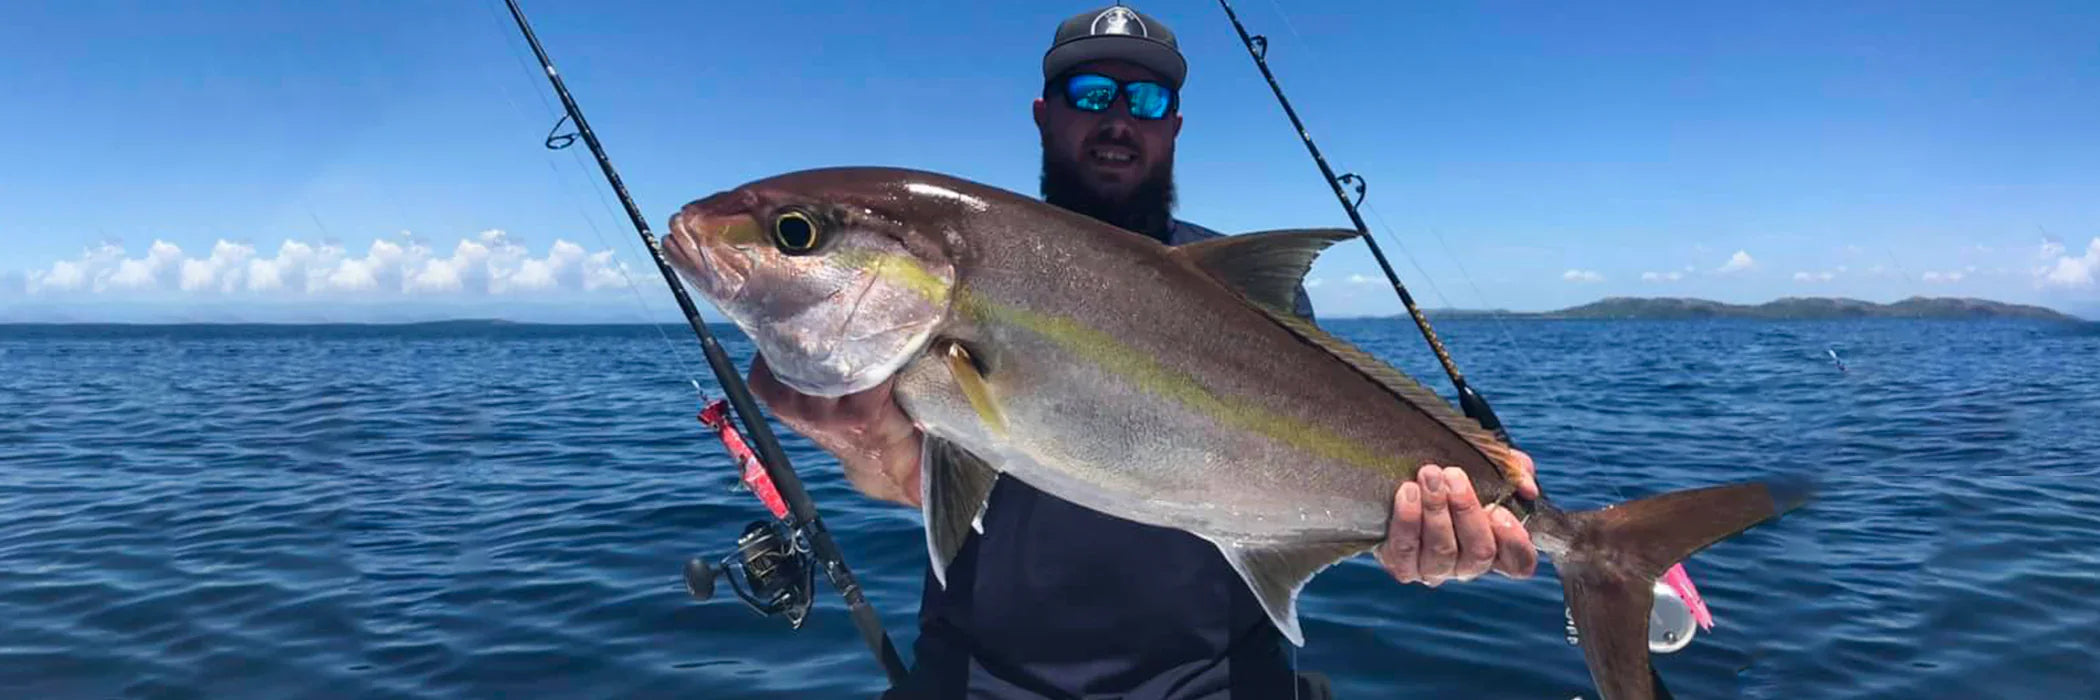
[700, 579]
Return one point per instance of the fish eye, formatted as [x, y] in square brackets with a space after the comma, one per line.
[794, 231]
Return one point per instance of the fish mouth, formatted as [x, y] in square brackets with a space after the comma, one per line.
[700, 244]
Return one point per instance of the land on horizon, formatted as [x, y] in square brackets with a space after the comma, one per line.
[1784, 308]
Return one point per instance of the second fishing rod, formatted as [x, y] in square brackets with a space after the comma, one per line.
[1474, 405]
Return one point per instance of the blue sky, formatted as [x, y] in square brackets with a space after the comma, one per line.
[348, 161]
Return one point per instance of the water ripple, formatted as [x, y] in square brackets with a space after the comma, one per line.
[287, 512]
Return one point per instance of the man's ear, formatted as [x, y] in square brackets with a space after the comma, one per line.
[1042, 114]
[1177, 123]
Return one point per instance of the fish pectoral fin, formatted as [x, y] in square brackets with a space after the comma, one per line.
[1277, 572]
[969, 378]
[953, 488]
[1264, 266]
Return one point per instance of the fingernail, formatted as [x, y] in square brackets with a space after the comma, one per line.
[1433, 480]
[1409, 494]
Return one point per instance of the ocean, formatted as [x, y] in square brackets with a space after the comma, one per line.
[487, 510]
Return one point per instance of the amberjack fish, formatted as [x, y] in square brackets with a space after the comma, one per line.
[1167, 385]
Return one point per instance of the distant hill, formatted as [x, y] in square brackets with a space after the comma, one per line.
[1789, 308]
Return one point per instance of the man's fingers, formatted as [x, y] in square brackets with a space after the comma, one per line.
[1439, 543]
[1528, 487]
[1403, 541]
[1476, 535]
[1515, 556]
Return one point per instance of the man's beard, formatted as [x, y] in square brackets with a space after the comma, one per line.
[1148, 209]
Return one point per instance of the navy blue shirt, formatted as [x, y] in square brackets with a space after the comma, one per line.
[1056, 600]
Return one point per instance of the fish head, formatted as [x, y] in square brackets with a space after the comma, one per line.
[840, 277]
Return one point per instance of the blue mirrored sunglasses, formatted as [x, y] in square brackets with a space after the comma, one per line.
[1094, 92]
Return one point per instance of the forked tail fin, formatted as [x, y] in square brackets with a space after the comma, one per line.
[1618, 552]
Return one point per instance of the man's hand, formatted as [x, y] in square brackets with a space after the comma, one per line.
[875, 443]
[1440, 532]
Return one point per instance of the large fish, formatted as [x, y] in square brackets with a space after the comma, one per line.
[1164, 385]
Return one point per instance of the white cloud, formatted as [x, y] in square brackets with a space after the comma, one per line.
[490, 263]
[2066, 271]
[222, 272]
[1736, 263]
[1359, 279]
[1582, 276]
[163, 262]
[1944, 277]
[1314, 282]
[1670, 276]
[2051, 249]
[1814, 276]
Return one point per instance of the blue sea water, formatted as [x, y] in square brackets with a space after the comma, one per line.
[487, 511]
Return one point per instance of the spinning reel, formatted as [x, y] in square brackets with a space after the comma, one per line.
[770, 569]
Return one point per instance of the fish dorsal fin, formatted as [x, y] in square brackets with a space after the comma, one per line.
[1413, 392]
[1264, 266]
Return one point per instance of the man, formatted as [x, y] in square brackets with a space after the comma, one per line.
[1055, 600]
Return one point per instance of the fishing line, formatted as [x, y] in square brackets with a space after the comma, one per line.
[1525, 364]
[567, 188]
[1531, 374]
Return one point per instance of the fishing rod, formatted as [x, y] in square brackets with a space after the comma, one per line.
[1474, 405]
[1671, 620]
[773, 556]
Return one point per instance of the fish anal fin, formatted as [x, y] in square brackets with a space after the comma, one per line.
[1277, 572]
[953, 487]
[1266, 267]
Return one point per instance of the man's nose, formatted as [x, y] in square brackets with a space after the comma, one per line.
[1115, 124]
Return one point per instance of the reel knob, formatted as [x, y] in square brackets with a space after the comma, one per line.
[700, 578]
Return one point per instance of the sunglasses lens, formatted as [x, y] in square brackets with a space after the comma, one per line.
[1092, 93]
[1149, 100]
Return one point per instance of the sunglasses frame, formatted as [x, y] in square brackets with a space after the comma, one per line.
[1062, 86]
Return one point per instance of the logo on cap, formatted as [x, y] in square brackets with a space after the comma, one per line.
[1118, 20]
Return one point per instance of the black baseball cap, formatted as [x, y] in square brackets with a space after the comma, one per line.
[1116, 32]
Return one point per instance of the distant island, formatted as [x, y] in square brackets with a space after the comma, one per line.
[1788, 308]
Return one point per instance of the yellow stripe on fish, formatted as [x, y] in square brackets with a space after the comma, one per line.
[1117, 357]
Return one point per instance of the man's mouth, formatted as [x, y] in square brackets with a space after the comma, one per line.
[1111, 156]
